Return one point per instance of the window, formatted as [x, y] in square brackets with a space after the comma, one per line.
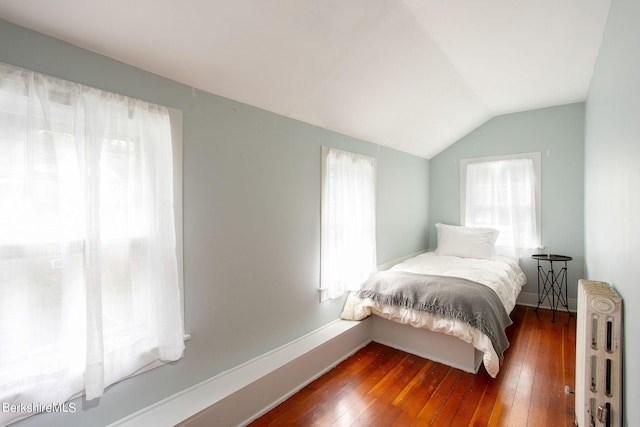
[348, 242]
[89, 271]
[503, 193]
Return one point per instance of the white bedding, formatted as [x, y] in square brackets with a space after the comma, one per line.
[501, 274]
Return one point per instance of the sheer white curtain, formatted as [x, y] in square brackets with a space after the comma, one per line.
[501, 194]
[348, 253]
[88, 271]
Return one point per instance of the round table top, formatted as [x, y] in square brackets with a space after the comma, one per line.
[551, 257]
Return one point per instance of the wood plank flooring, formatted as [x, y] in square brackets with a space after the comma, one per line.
[381, 386]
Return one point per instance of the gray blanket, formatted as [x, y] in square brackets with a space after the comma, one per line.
[451, 297]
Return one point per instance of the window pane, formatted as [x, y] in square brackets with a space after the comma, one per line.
[89, 289]
[501, 194]
[348, 253]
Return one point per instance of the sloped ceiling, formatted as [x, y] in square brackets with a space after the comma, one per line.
[415, 75]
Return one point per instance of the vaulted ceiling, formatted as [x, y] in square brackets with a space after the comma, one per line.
[415, 75]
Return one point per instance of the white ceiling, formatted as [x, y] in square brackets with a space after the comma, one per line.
[415, 75]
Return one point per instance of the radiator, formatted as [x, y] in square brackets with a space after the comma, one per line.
[598, 355]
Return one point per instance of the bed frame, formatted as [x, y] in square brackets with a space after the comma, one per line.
[436, 346]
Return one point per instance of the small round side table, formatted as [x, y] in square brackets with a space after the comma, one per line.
[552, 283]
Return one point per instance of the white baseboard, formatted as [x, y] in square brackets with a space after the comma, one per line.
[245, 392]
[237, 396]
[531, 300]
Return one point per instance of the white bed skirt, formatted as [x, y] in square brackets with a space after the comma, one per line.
[431, 345]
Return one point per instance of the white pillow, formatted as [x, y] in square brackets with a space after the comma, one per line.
[466, 242]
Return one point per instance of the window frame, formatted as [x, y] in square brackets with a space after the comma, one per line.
[176, 124]
[536, 157]
[326, 291]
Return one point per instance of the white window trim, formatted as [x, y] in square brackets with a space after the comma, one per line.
[175, 118]
[176, 122]
[536, 157]
[324, 291]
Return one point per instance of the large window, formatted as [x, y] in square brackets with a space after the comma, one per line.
[89, 268]
[503, 193]
[348, 253]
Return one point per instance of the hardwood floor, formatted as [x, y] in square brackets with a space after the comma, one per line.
[381, 386]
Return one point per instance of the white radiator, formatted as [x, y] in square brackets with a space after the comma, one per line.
[598, 355]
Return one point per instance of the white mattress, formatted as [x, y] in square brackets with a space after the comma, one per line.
[502, 274]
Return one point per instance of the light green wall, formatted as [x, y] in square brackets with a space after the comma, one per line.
[251, 221]
[400, 211]
[612, 181]
[557, 133]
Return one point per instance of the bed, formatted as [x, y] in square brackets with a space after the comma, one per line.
[462, 329]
